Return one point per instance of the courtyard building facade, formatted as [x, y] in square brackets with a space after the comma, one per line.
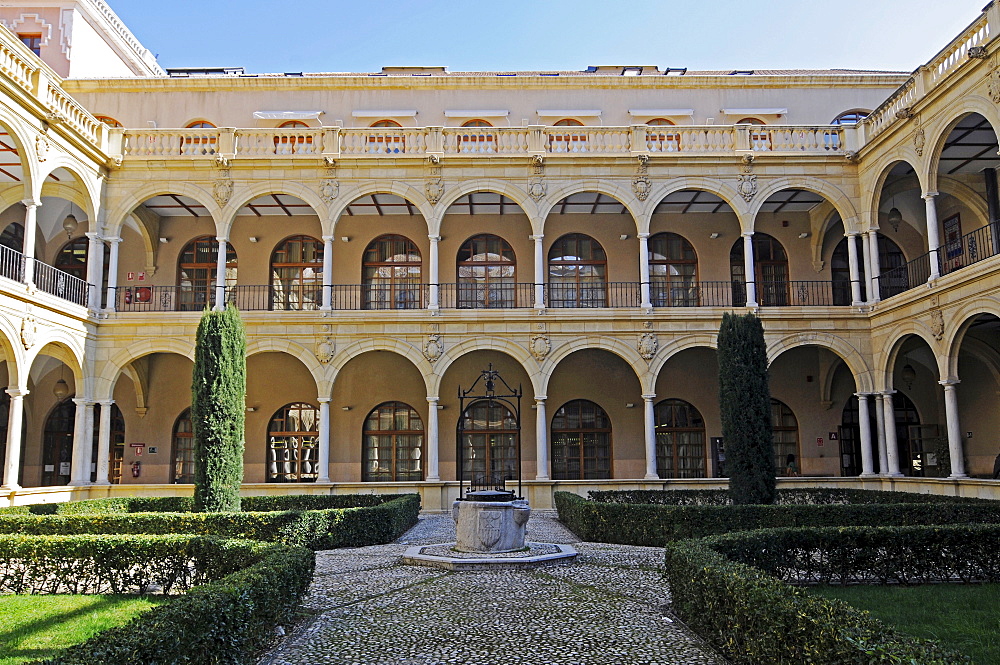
[389, 235]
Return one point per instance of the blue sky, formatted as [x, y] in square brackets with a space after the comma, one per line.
[265, 36]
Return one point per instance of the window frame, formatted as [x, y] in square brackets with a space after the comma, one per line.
[394, 473]
[560, 437]
[301, 442]
[594, 294]
[189, 289]
[402, 292]
[300, 286]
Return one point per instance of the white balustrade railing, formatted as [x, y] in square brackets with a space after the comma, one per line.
[391, 141]
[279, 142]
[486, 140]
[954, 54]
[691, 139]
[74, 114]
[162, 143]
[589, 140]
[803, 139]
[17, 68]
[885, 114]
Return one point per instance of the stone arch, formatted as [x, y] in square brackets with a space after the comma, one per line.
[295, 350]
[132, 199]
[963, 319]
[401, 189]
[397, 346]
[254, 190]
[511, 191]
[505, 346]
[13, 352]
[886, 360]
[113, 366]
[89, 181]
[63, 347]
[616, 346]
[713, 186]
[24, 143]
[938, 129]
[836, 197]
[883, 167]
[620, 194]
[676, 345]
[862, 372]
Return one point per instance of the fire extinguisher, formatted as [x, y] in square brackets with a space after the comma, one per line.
[128, 301]
[136, 469]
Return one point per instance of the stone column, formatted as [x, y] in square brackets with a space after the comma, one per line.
[644, 285]
[327, 273]
[323, 454]
[539, 271]
[541, 439]
[933, 235]
[112, 273]
[748, 269]
[875, 269]
[955, 448]
[864, 421]
[433, 440]
[880, 433]
[220, 274]
[95, 266]
[30, 231]
[80, 469]
[433, 299]
[891, 445]
[649, 434]
[104, 443]
[866, 263]
[15, 420]
[852, 261]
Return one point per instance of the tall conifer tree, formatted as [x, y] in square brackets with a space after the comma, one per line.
[745, 405]
[218, 410]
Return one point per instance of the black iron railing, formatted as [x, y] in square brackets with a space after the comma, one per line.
[971, 248]
[11, 264]
[905, 277]
[61, 284]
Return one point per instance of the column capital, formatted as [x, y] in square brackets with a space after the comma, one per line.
[538, 237]
[83, 401]
[643, 236]
[860, 395]
[949, 383]
[541, 398]
[746, 234]
[928, 195]
[434, 238]
[328, 238]
[852, 234]
[222, 239]
[114, 240]
[648, 398]
[887, 393]
[17, 392]
[432, 399]
[105, 402]
[93, 236]
[31, 203]
[324, 400]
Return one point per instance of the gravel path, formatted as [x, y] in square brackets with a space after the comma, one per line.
[604, 608]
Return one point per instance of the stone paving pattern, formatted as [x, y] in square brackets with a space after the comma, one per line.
[604, 608]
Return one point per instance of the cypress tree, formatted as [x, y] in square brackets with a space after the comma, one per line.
[218, 410]
[745, 405]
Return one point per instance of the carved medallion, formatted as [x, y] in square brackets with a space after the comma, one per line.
[648, 344]
[434, 189]
[918, 142]
[329, 190]
[223, 188]
[29, 332]
[641, 186]
[434, 348]
[489, 527]
[42, 148]
[978, 53]
[325, 349]
[537, 164]
[937, 324]
[747, 187]
[540, 347]
[536, 190]
[993, 87]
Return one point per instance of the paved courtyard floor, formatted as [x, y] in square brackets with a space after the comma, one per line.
[604, 608]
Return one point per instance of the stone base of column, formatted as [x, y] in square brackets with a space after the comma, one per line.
[868, 475]
[958, 476]
[10, 488]
[651, 477]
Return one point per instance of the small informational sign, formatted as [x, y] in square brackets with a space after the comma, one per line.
[63, 468]
[142, 276]
[138, 448]
[819, 441]
[968, 435]
[153, 450]
[833, 436]
[49, 468]
[130, 277]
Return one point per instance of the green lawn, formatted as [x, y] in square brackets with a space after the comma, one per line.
[37, 627]
[963, 617]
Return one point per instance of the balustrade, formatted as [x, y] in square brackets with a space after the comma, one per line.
[58, 283]
[11, 264]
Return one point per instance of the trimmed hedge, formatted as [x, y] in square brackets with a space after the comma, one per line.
[185, 504]
[753, 617]
[785, 497]
[315, 529]
[654, 525]
[225, 622]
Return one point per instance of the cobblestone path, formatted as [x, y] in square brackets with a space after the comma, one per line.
[604, 608]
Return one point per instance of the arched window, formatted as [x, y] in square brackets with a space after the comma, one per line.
[785, 435]
[72, 258]
[116, 452]
[183, 449]
[57, 448]
[489, 449]
[108, 120]
[486, 273]
[196, 273]
[850, 117]
[673, 271]
[13, 237]
[581, 442]
[391, 274]
[578, 269]
[770, 271]
[680, 440]
[293, 143]
[890, 256]
[200, 142]
[568, 140]
[476, 141]
[662, 140]
[297, 274]
[760, 139]
[392, 444]
[388, 142]
[292, 444]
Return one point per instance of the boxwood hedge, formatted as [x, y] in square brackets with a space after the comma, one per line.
[754, 617]
[316, 529]
[811, 496]
[654, 524]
